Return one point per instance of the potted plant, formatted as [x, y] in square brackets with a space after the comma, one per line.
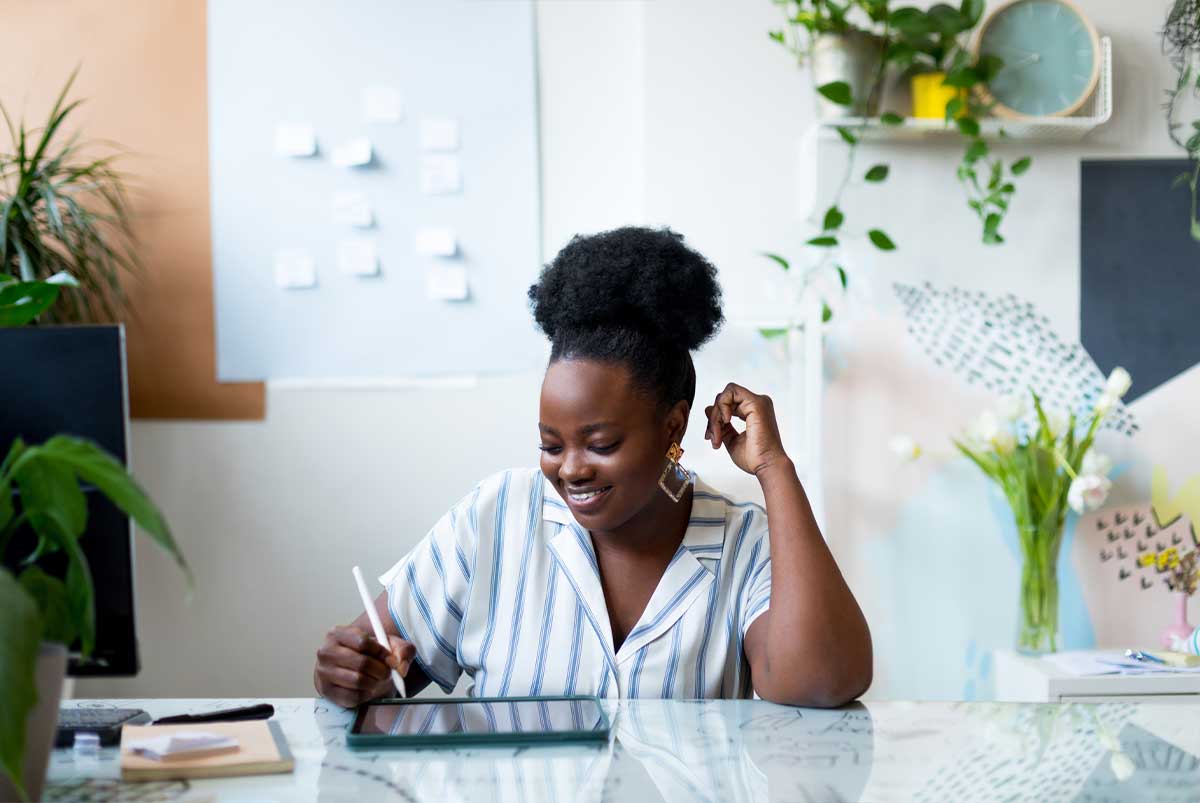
[931, 45]
[64, 212]
[39, 614]
[838, 40]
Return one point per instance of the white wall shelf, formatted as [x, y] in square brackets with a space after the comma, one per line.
[1096, 112]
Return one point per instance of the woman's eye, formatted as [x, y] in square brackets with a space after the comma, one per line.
[549, 449]
[606, 449]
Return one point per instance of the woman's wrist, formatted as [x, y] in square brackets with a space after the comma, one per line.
[776, 470]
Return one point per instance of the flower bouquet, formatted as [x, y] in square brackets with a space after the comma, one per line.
[1044, 464]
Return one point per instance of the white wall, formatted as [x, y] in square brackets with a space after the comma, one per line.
[663, 112]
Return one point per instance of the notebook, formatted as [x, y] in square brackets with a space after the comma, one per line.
[262, 750]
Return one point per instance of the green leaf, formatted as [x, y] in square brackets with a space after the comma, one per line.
[972, 11]
[836, 92]
[846, 135]
[1021, 165]
[909, 21]
[20, 635]
[50, 495]
[988, 67]
[92, 464]
[776, 35]
[992, 222]
[891, 118]
[826, 312]
[881, 240]
[22, 302]
[773, 333]
[969, 126]
[50, 596]
[962, 78]
[946, 20]
[80, 595]
[1183, 178]
[833, 219]
[783, 263]
[842, 277]
[877, 173]
[823, 241]
[954, 107]
[975, 151]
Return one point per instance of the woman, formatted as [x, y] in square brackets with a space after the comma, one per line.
[613, 571]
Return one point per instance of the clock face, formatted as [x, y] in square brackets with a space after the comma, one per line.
[1049, 56]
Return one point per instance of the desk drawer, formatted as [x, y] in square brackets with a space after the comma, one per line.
[1130, 698]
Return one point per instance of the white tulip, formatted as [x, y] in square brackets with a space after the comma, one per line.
[1096, 463]
[1004, 442]
[905, 448]
[1057, 420]
[984, 428]
[1011, 407]
[1087, 492]
[1105, 404]
[1118, 382]
[1122, 766]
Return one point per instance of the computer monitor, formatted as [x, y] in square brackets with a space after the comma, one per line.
[71, 380]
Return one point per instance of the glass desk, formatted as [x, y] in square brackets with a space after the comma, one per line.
[720, 751]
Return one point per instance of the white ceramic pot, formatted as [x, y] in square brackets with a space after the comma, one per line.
[852, 57]
[41, 722]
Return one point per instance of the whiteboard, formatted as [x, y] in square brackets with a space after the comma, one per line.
[309, 61]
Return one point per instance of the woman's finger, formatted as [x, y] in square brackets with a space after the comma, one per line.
[402, 654]
[339, 656]
[345, 678]
[360, 640]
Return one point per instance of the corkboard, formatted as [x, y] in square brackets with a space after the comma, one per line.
[142, 71]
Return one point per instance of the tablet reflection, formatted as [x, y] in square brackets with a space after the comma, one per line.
[482, 718]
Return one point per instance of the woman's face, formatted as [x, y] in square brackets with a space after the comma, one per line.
[603, 442]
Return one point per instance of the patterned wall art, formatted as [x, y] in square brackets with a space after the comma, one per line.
[1006, 346]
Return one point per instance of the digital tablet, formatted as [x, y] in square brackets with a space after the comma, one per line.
[395, 722]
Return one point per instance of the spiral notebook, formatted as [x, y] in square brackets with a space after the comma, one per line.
[261, 750]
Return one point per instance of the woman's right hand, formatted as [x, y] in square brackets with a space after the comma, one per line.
[352, 667]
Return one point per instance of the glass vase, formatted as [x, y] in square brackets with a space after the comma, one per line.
[1037, 613]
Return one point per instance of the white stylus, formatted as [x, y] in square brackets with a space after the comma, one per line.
[377, 626]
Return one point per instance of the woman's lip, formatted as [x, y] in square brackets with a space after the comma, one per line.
[588, 505]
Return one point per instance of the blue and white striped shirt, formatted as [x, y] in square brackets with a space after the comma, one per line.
[506, 588]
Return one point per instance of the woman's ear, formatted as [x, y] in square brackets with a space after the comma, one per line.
[677, 420]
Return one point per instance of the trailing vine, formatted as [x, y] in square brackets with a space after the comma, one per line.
[1181, 43]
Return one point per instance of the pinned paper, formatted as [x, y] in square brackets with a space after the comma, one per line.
[440, 174]
[295, 269]
[436, 243]
[357, 256]
[382, 104]
[295, 140]
[351, 208]
[447, 284]
[353, 153]
[439, 134]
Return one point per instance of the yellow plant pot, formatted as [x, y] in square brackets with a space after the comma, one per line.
[930, 96]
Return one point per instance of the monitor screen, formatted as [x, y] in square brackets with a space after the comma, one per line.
[70, 380]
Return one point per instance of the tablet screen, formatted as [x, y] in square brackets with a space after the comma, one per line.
[420, 718]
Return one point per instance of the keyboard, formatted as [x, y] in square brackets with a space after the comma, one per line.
[104, 722]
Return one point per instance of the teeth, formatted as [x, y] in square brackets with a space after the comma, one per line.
[584, 497]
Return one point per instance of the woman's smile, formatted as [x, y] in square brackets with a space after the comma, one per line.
[587, 500]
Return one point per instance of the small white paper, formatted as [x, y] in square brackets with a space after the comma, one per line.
[447, 284]
[440, 174]
[436, 243]
[295, 140]
[353, 153]
[188, 743]
[439, 134]
[382, 104]
[352, 208]
[357, 256]
[295, 269]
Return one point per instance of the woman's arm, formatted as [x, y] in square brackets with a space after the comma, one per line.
[812, 646]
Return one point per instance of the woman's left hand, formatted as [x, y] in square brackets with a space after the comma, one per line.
[759, 447]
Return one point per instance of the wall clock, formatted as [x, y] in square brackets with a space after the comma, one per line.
[1051, 55]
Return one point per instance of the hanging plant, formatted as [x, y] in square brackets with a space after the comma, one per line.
[1181, 43]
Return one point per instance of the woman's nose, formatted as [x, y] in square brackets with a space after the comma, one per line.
[575, 468]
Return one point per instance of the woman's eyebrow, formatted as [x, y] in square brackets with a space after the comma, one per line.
[586, 429]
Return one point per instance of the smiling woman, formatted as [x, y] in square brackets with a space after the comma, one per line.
[613, 570]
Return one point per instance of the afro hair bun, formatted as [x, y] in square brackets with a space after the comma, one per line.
[632, 278]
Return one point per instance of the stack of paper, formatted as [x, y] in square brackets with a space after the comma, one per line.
[1091, 662]
[184, 744]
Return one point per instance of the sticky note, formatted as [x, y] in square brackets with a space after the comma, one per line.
[439, 134]
[447, 283]
[436, 243]
[357, 256]
[382, 104]
[440, 174]
[295, 140]
[295, 269]
[352, 208]
[353, 153]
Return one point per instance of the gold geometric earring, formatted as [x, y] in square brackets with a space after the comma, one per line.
[675, 478]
